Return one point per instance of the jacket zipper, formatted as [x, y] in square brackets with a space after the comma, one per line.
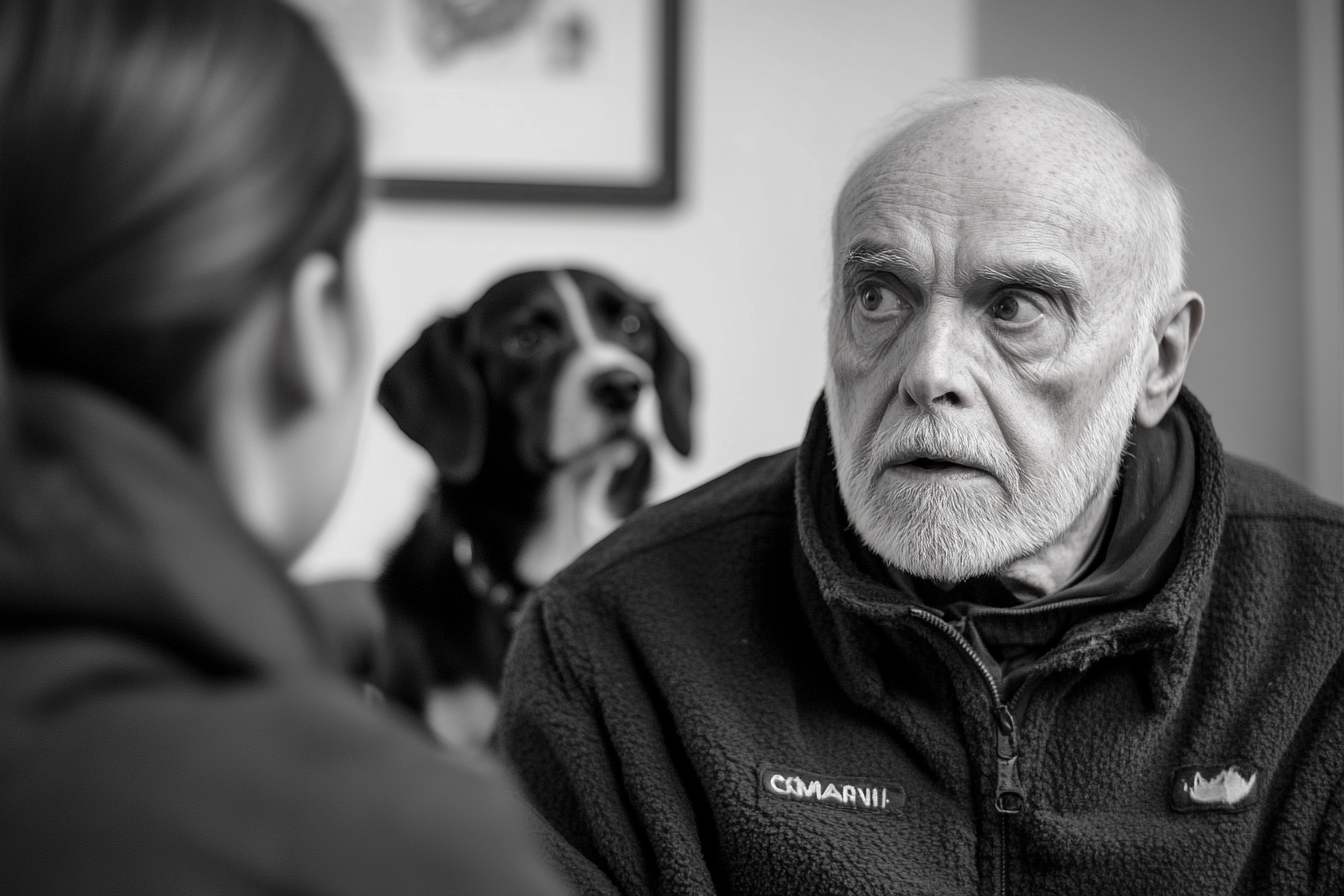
[1009, 796]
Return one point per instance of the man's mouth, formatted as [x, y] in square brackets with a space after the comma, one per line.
[921, 466]
[934, 463]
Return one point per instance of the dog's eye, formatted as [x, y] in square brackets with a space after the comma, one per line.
[526, 341]
[636, 335]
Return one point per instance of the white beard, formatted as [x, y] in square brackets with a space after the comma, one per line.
[949, 531]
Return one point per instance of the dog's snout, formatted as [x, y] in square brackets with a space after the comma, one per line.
[616, 390]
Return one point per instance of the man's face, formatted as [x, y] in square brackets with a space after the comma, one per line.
[985, 359]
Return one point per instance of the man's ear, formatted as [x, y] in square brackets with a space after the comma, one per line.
[317, 348]
[1168, 355]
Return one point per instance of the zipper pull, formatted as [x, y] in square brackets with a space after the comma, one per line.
[1010, 797]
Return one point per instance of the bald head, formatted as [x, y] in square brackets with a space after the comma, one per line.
[1038, 141]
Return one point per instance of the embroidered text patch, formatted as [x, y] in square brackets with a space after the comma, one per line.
[1219, 788]
[859, 794]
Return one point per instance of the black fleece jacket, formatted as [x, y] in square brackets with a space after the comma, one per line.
[172, 719]
[718, 699]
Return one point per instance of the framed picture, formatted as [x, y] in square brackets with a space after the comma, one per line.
[555, 101]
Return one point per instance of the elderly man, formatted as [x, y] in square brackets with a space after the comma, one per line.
[1008, 620]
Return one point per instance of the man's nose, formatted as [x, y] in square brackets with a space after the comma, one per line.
[935, 363]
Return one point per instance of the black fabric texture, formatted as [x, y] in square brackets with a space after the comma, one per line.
[658, 687]
[172, 715]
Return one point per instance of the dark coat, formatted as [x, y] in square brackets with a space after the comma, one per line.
[171, 719]
[682, 701]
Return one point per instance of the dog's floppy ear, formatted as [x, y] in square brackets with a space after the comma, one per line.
[435, 395]
[673, 380]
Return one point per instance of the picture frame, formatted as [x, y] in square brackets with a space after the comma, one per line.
[532, 101]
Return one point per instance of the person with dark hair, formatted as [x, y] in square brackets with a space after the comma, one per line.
[184, 367]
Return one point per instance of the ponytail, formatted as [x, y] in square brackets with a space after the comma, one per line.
[163, 163]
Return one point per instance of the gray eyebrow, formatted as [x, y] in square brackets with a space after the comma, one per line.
[1058, 281]
[886, 258]
[1032, 274]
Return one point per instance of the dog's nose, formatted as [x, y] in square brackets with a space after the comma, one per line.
[616, 390]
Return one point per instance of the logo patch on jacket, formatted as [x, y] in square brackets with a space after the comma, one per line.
[858, 794]
[1218, 788]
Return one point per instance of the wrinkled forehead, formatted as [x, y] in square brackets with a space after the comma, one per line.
[1001, 178]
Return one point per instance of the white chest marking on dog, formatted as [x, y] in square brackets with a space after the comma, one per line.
[576, 514]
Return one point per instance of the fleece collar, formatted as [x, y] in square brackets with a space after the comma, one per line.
[106, 523]
[855, 595]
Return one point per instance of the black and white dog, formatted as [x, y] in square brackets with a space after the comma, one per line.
[538, 406]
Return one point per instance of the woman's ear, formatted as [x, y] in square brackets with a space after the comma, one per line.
[318, 346]
[1167, 358]
[285, 401]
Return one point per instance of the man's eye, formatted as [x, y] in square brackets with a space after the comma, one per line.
[874, 296]
[1014, 308]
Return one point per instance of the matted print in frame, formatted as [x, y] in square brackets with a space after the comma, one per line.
[557, 101]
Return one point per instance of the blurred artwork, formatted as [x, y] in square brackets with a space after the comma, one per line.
[510, 92]
[571, 39]
[447, 27]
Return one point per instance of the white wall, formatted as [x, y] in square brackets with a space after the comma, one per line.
[781, 96]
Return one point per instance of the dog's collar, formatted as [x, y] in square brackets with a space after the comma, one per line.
[495, 591]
